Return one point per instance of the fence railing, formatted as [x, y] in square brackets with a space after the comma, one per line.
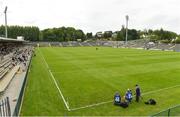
[5, 110]
[173, 111]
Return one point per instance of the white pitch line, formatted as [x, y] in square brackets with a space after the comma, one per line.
[101, 103]
[150, 92]
[92, 105]
[55, 82]
[59, 90]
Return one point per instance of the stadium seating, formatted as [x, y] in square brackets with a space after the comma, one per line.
[65, 44]
[11, 58]
[6, 80]
[139, 44]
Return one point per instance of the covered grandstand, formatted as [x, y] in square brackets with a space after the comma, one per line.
[15, 57]
[2, 39]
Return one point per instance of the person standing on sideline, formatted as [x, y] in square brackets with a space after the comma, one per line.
[138, 93]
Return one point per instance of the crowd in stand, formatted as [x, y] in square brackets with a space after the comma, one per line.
[17, 52]
[5, 50]
[12, 55]
[21, 55]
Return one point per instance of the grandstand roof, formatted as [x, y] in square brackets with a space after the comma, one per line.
[2, 39]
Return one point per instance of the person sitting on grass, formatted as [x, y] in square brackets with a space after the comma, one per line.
[128, 96]
[117, 99]
[124, 102]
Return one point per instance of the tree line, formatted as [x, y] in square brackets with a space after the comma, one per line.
[160, 35]
[61, 34]
[28, 32]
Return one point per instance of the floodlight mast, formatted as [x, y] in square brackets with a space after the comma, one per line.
[5, 12]
[127, 19]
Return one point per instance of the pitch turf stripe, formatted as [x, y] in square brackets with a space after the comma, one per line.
[102, 103]
[55, 82]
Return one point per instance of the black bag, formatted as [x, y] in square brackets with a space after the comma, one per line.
[124, 104]
[151, 102]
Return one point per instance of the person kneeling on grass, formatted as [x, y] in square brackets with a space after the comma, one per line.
[128, 96]
[124, 103]
[117, 99]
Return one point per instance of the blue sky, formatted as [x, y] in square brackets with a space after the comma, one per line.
[93, 15]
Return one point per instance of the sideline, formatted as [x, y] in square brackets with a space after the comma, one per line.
[55, 82]
[27, 72]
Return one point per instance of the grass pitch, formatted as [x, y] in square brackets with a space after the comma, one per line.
[86, 76]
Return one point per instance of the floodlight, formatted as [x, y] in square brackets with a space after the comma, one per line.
[127, 18]
[5, 12]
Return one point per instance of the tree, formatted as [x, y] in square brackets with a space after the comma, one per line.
[107, 34]
[89, 35]
[30, 33]
[63, 34]
[121, 34]
[132, 34]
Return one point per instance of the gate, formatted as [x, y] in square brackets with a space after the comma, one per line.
[5, 110]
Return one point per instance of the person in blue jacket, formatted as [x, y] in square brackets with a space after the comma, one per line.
[129, 96]
[117, 99]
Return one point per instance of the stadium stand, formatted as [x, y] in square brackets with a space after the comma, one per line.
[11, 57]
[65, 44]
[84, 44]
[6, 80]
[55, 44]
[15, 57]
[139, 44]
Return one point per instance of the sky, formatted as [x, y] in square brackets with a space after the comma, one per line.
[93, 15]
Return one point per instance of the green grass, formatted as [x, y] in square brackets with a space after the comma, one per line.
[86, 76]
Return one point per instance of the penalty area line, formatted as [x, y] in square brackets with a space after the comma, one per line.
[55, 82]
[102, 103]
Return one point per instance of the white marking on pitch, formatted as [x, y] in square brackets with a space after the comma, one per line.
[55, 82]
[92, 105]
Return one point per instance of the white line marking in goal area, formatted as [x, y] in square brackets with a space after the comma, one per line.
[101, 103]
[55, 82]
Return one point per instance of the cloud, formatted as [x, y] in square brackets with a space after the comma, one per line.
[93, 15]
